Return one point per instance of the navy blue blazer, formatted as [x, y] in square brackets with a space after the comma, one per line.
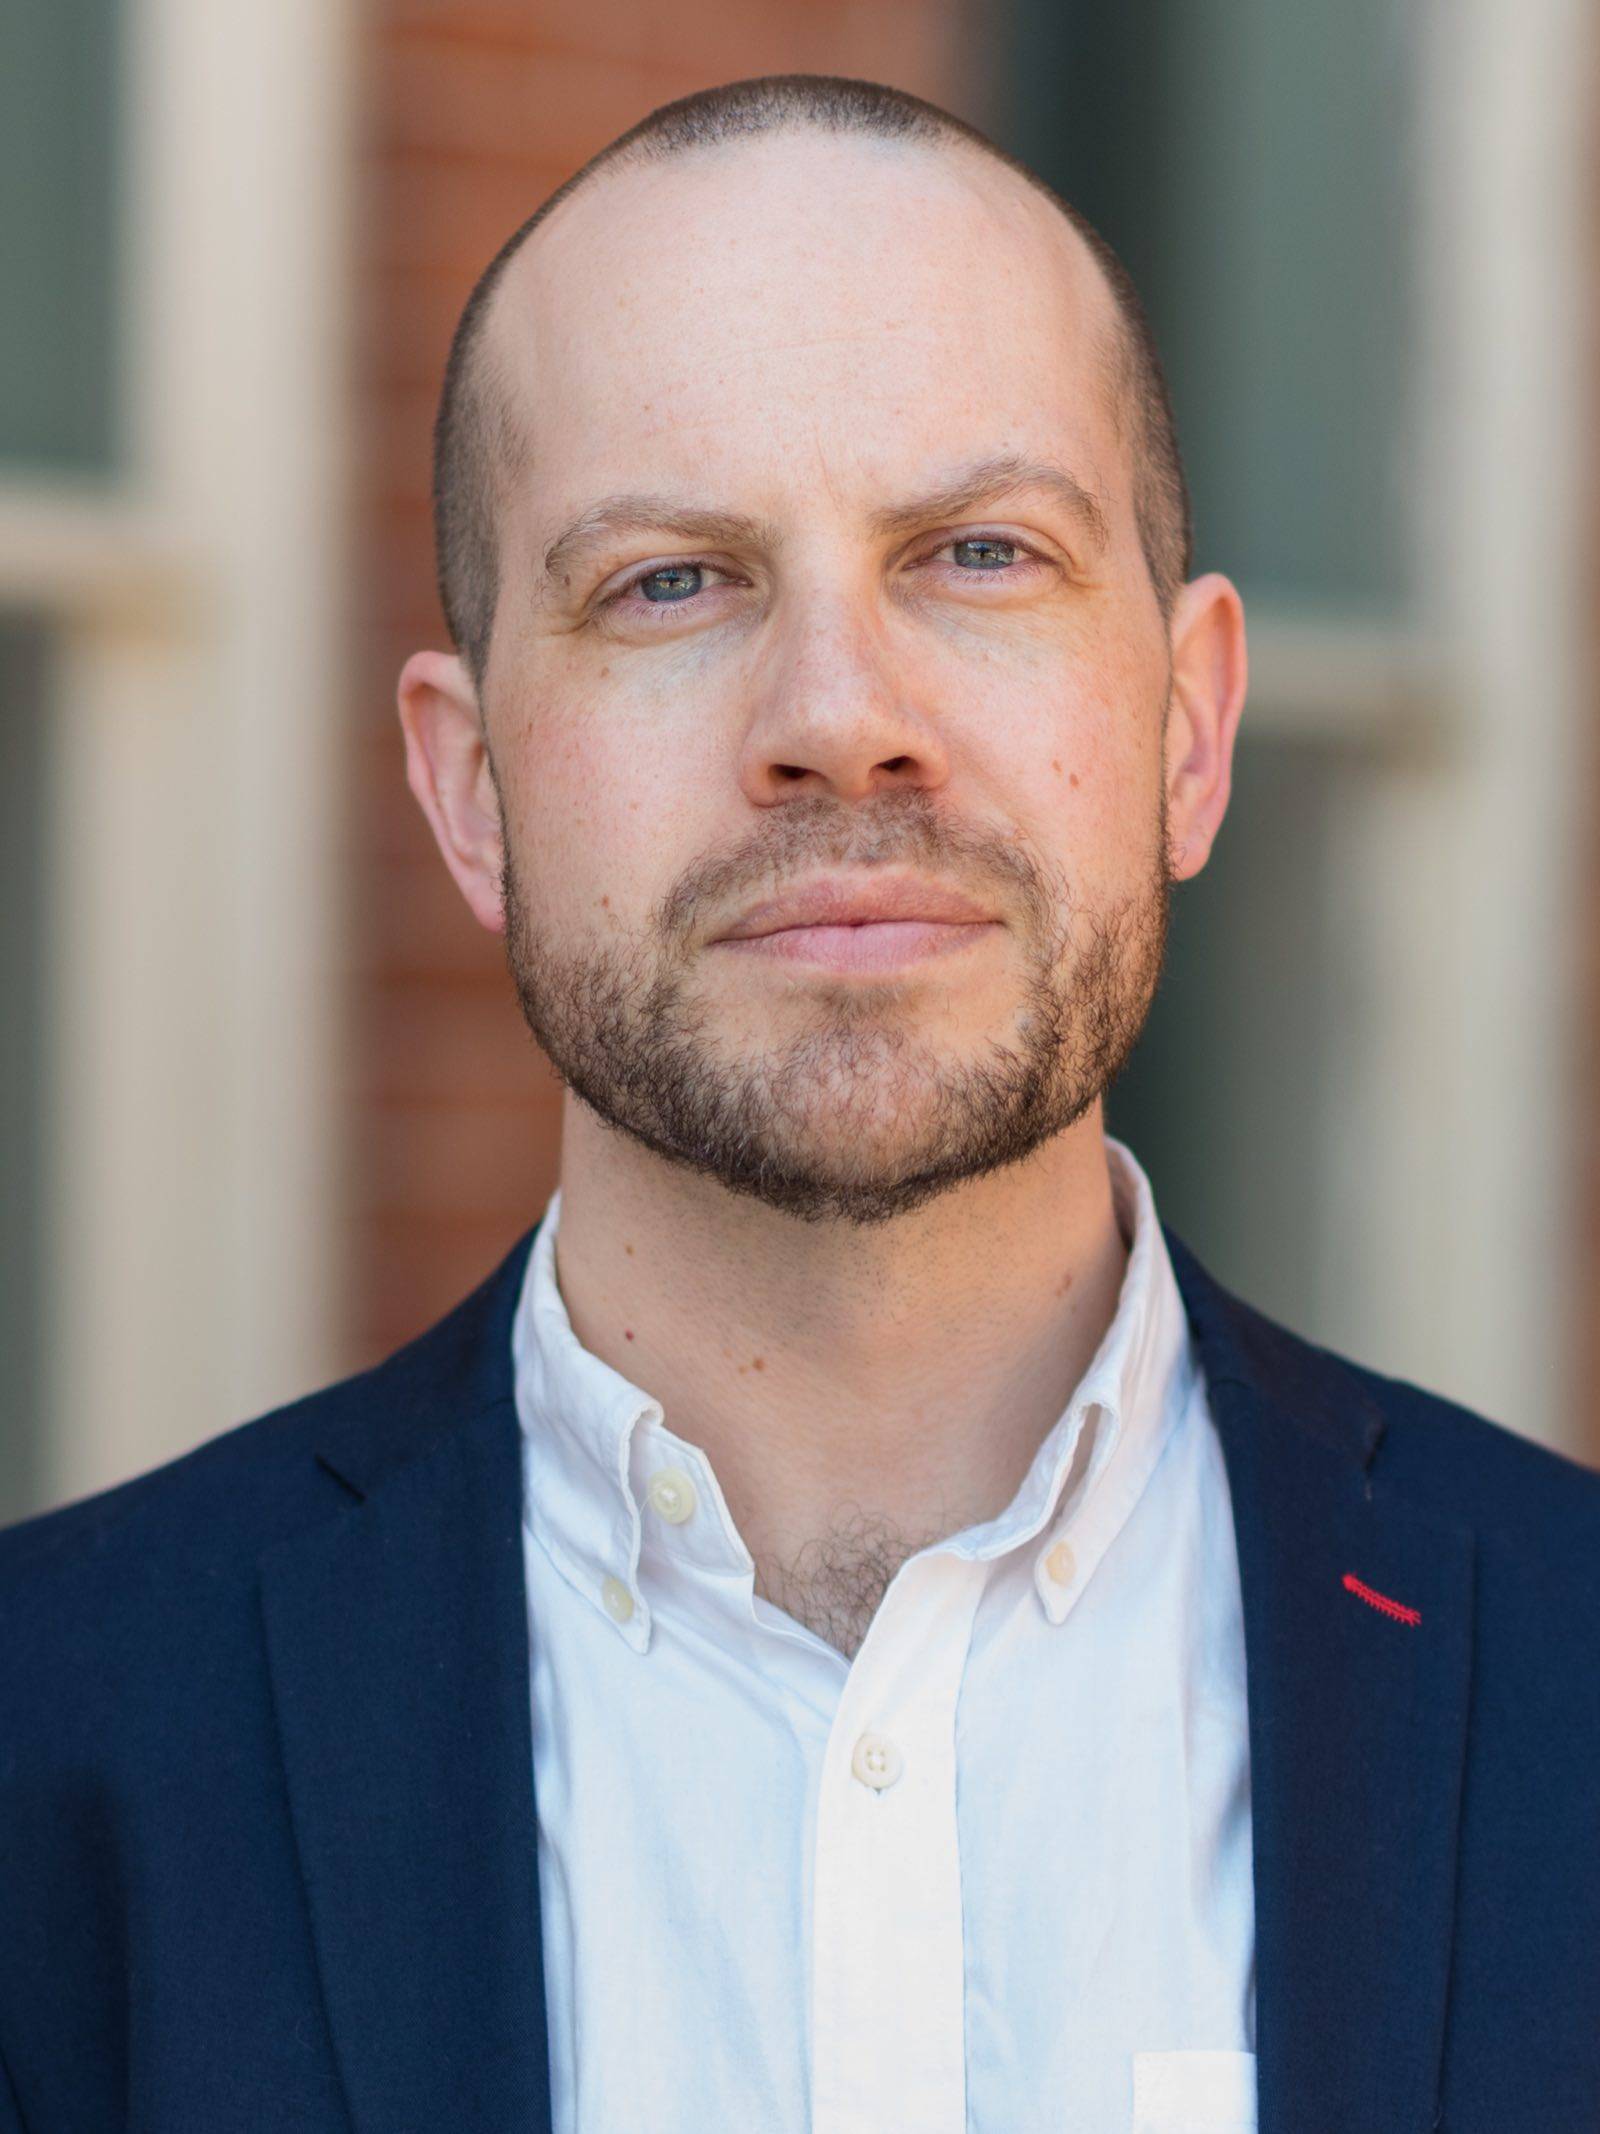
[267, 1827]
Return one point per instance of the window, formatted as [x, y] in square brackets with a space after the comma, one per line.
[59, 136]
[24, 733]
[1250, 164]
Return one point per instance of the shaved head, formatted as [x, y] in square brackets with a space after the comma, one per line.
[483, 438]
[809, 513]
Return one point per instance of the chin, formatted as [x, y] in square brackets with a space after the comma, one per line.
[856, 1135]
[854, 1151]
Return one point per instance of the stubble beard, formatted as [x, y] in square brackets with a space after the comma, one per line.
[858, 1117]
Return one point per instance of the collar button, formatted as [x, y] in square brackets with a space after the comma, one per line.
[1060, 1563]
[671, 1495]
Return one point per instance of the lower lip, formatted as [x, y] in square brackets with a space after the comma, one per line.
[882, 945]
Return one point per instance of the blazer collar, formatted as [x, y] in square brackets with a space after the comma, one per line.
[397, 1646]
[1357, 1725]
[379, 1422]
[397, 1641]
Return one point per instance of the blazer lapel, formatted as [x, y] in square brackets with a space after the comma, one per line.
[398, 1651]
[1357, 1729]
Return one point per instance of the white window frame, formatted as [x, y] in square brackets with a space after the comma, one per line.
[194, 901]
[1451, 1225]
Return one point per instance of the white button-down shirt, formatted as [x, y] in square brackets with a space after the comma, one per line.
[992, 1874]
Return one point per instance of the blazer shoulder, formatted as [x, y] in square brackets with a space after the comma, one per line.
[1439, 1451]
[1478, 1469]
[211, 1511]
[234, 1492]
[1445, 1454]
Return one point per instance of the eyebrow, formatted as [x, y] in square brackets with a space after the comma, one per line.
[958, 493]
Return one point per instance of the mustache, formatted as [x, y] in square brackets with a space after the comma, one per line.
[816, 831]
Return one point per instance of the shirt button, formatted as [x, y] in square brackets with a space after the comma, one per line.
[1061, 1563]
[671, 1494]
[876, 1761]
[618, 1600]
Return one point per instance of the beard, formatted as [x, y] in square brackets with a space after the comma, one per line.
[857, 1116]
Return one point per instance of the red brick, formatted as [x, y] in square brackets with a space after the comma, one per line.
[475, 1049]
[446, 1160]
[452, 217]
[415, 1272]
[545, 107]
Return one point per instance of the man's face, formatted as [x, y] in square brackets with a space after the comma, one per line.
[804, 334]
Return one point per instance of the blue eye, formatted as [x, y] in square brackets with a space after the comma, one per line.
[990, 542]
[679, 583]
[668, 572]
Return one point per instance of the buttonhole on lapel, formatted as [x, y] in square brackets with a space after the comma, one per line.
[1398, 1609]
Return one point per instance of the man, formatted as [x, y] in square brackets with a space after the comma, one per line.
[850, 1626]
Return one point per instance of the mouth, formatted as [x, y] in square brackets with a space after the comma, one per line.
[868, 945]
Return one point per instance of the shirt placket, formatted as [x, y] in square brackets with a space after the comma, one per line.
[888, 2048]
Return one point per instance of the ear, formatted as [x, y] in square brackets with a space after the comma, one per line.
[448, 769]
[1209, 677]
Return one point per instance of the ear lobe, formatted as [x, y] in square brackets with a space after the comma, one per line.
[1209, 678]
[448, 770]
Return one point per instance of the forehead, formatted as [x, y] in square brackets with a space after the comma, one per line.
[802, 309]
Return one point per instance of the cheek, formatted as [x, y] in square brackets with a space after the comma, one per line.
[599, 815]
[1084, 679]
[1086, 771]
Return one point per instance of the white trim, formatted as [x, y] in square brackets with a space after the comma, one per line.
[1381, 689]
[1453, 1227]
[196, 929]
[82, 555]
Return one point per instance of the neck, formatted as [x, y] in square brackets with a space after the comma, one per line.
[859, 1393]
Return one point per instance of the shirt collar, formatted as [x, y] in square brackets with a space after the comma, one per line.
[580, 1418]
[1094, 1462]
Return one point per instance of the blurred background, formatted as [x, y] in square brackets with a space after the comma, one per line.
[266, 1104]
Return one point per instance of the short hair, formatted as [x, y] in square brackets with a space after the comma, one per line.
[478, 439]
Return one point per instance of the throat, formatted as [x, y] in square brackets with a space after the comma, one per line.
[835, 1584]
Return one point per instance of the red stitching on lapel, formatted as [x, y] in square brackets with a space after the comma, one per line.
[1398, 1609]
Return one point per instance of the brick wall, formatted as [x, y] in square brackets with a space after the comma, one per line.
[474, 111]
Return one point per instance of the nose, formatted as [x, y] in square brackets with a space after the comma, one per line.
[835, 710]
